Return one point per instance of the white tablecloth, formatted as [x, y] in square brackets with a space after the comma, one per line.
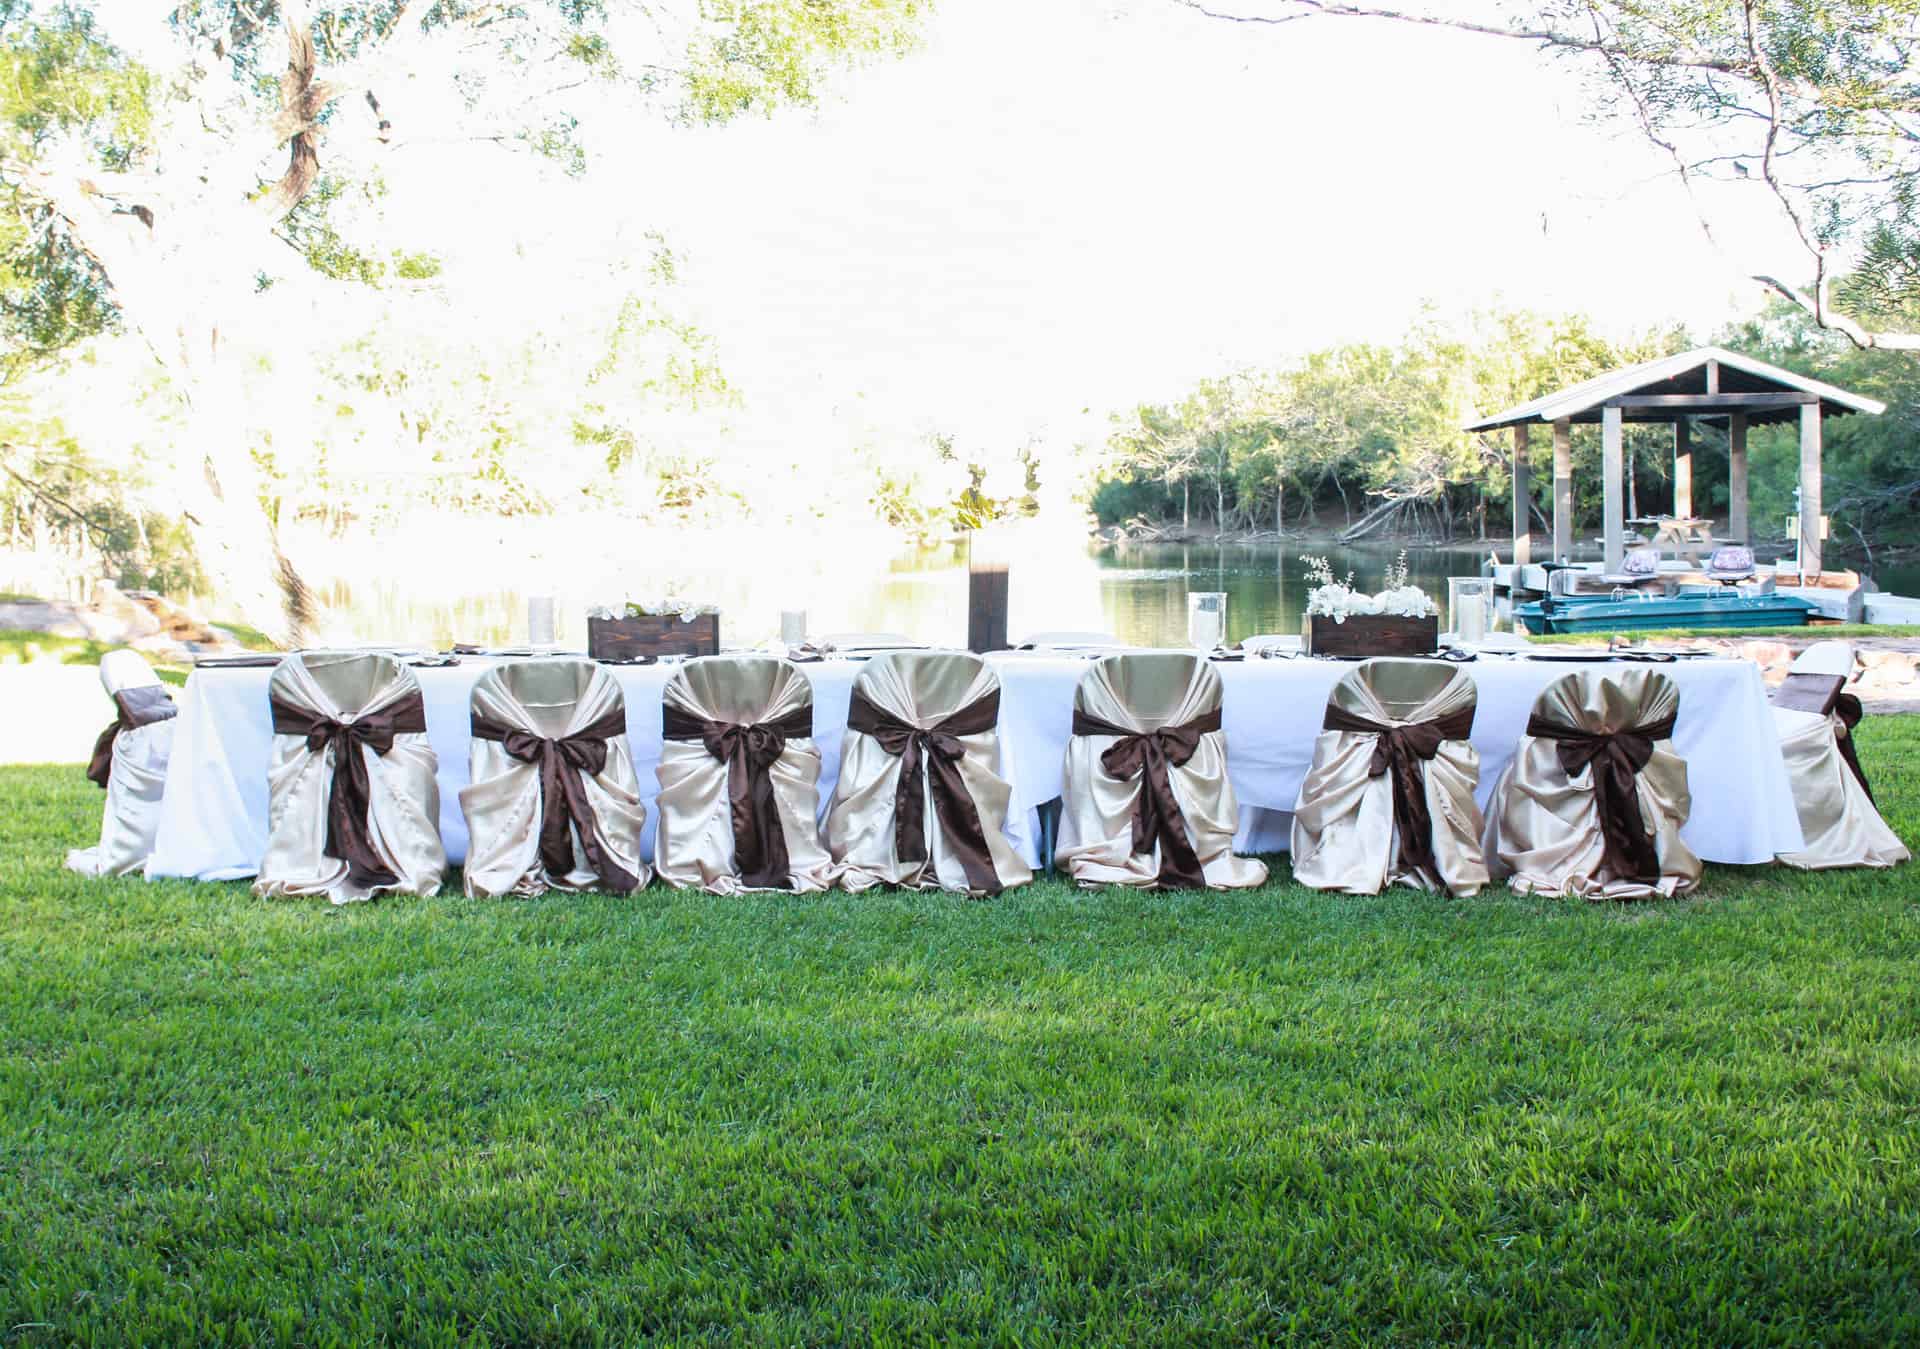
[214, 817]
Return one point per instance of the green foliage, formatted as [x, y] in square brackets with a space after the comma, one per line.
[1062, 1116]
[53, 495]
[752, 56]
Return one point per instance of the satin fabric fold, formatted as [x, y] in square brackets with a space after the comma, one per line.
[749, 750]
[1847, 713]
[564, 763]
[349, 836]
[920, 801]
[553, 801]
[930, 757]
[1389, 797]
[739, 774]
[130, 762]
[353, 799]
[1595, 798]
[1158, 823]
[1615, 759]
[136, 707]
[1182, 833]
[1840, 825]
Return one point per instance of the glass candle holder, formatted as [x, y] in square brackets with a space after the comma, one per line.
[793, 626]
[542, 622]
[1206, 618]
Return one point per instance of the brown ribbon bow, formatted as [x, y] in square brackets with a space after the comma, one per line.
[564, 807]
[935, 748]
[348, 838]
[749, 750]
[1157, 817]
[136, 708]
[1616, 759]
[1402, 751]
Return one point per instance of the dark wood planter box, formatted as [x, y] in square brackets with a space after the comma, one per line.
[654, 635]
[1370, 635]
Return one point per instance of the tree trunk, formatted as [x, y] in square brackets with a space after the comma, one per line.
[1280, 506]
[1186, 504]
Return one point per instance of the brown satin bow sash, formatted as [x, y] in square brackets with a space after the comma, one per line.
[348, 837]
[1157, 817]
[1617, 759]
[564, 807]
[1846, 706]
[136, 708]
[1402, 751]
[937, 749]
[749, 750]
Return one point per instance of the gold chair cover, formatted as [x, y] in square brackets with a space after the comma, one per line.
[696, 845]
[1545, 830]
[401, 821]
[131, 763]
[959, 836]
[1347, 830]
[1840, 824]
[1144, 692]
[507, 803]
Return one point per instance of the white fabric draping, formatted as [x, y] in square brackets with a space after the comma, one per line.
[130, 816]
[214, 816]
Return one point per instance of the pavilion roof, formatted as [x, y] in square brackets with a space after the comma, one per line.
[1704, 382]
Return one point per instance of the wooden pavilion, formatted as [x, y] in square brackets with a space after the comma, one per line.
[1707, 384]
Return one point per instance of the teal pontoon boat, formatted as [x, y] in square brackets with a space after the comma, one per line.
[1626, 611]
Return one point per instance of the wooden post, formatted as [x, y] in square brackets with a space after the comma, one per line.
[986, 597]
[1562, 490]
[1682, 468]
[1737, 476]
[1613, 546]
[1810, 487]
[1522, 499]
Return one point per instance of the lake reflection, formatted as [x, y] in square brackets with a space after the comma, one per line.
[1137, 593]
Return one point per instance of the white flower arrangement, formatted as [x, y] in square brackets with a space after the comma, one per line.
[1338, 600]
[685, 610]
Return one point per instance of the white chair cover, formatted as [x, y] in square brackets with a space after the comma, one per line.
[1599, 830]
[130, 761]
[1158, 811]
[320, 839]
[1814, 717]
[1369, 792]
[740, 780]
[920, 801]
[547, 729]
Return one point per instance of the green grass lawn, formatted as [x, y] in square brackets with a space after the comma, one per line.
[1099, 1117]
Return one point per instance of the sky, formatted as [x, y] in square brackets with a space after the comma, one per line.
[1059, 207]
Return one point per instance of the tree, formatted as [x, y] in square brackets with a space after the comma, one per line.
[1814, 102]
[174, 166]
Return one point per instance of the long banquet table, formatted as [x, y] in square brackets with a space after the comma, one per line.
[214, 816]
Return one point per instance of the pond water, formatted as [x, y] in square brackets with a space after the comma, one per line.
[1056, 581]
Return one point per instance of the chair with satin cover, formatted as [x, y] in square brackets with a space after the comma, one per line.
[553, 801]
[1814, 717]
[130, 763]
[1389, 797]
[353, 807]
[739, 775]
[1595, 798]
[920, 801]
[1147, 800]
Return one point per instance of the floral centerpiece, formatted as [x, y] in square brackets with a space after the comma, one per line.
[1399, 620]
[641, 630]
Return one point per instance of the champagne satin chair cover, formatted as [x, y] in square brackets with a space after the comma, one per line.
[130, 763]
[353, 807]
[1147, 799]
[920, 802]
[739, 776]
[554, 801]
[1594, 800]
[1389, 798]
[1814, 717]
